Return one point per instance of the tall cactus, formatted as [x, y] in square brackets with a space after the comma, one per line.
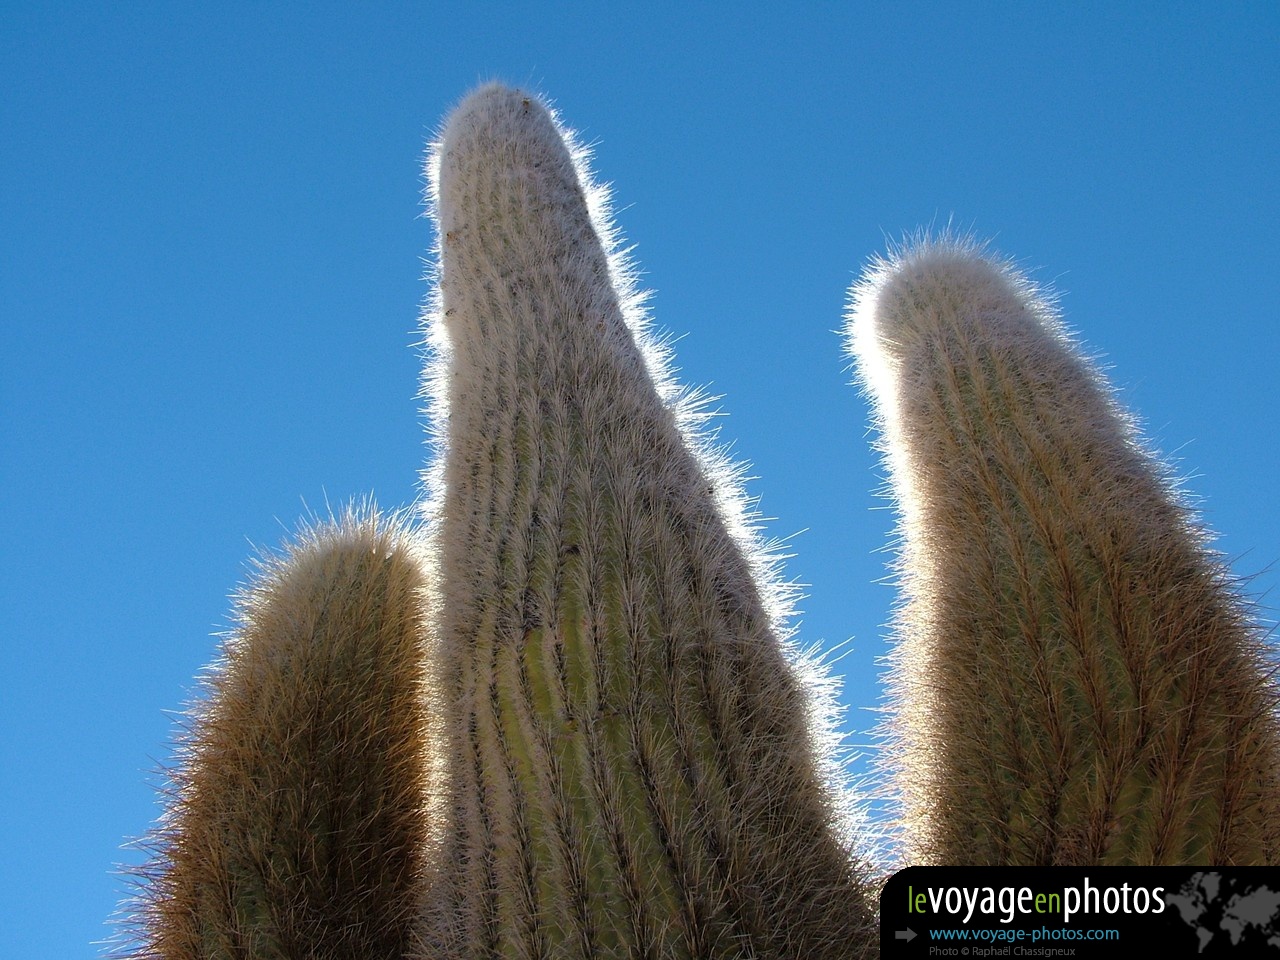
[302, 817]
[634, 768]
[1075, 681]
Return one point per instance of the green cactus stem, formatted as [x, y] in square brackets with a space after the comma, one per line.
[635, 765]
[1076, 681]
[301, 823]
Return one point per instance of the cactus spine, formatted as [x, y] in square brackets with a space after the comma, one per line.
[633, 769]
[301, 825]
[1075, 680]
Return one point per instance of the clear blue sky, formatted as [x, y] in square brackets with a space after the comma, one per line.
[210, 263]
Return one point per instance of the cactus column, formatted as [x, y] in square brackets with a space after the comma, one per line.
[634, 772]
[302, 822]
[1075, 680]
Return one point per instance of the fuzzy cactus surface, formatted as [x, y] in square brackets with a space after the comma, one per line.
[302, 821]
[634, 770]
[1098, 684]
[562, 715]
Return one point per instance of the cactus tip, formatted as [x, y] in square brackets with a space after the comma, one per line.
[500, 117]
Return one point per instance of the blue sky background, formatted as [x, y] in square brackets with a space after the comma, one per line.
[210, 259]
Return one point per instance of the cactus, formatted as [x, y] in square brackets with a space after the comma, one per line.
[302, 821]
[565, 716]
[634, 770]
[1099, 682]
